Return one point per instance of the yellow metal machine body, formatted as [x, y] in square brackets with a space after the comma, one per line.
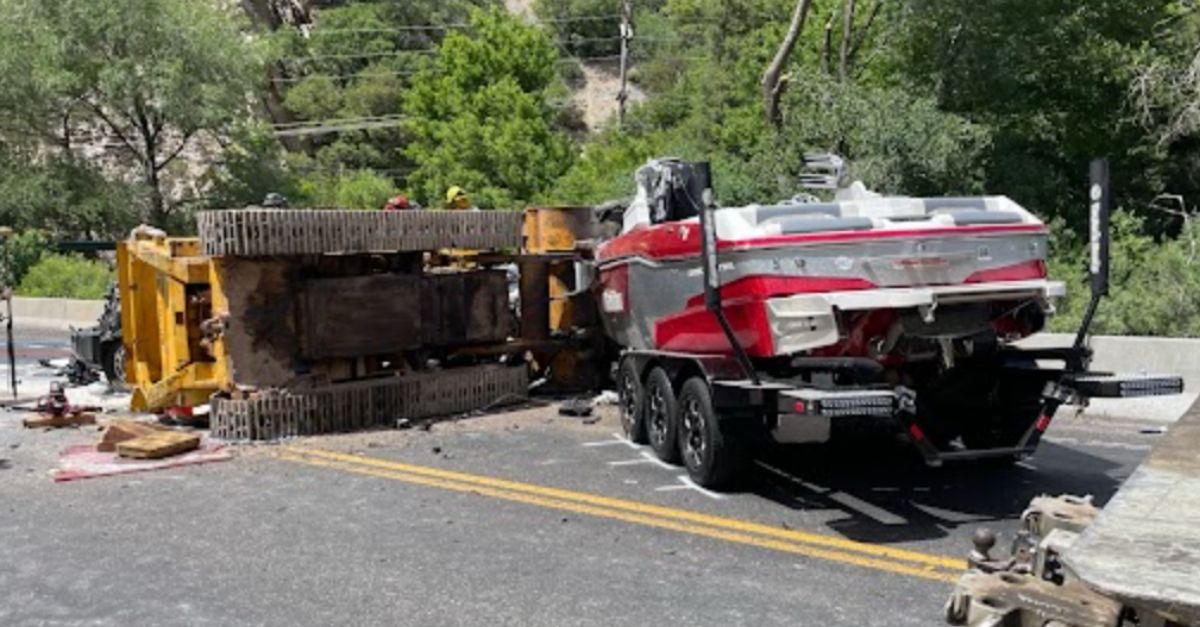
[558, 311]
[168, 293]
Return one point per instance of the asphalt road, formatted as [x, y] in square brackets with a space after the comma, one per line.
[522, 518]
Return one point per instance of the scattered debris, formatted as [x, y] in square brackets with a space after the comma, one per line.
[158, 445]
[185, 416]
[607, 397]
[123, 430]
[55, 411]
[576, 407]
[51, 421]
[84, 461]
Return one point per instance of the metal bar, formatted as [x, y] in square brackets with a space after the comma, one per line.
[712, 274]
[12, 354]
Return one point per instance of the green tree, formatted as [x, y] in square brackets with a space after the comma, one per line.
[356, 189]
[586, 28]
[353, 65]
[153, 74]
[66, 276]
[19, 252]
[1155, 283]
[1050, 78]
[65, 197]
[479, 117]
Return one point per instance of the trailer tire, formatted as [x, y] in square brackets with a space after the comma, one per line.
[662, 416]
[112, 360]
[714, 458]
[631, 395]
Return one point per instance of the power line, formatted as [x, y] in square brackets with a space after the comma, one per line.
[337, 125]
[392, 73]
[452, 26]
[340, 77]
[363, 55]
[303, 123]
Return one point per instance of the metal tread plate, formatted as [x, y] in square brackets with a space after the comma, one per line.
[1144, 546]
[343, 407]
[270, 232]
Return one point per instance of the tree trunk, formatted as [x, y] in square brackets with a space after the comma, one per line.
[772, 81]
[158, 205]
[847, 31]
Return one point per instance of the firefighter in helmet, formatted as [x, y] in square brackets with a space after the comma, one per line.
[457, 198]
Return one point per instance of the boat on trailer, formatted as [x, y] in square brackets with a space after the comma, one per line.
[791, 320]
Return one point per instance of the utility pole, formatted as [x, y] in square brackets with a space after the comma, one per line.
[626, 37]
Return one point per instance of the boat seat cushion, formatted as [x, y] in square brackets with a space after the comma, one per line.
[968, 217]
[792, 226]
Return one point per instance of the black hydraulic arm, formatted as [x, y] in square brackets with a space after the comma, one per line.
[702, 182]
[1099, 209]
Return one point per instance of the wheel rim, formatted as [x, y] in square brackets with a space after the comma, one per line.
[628, 403]
[694, 441]
[656, 415]
[119, 364]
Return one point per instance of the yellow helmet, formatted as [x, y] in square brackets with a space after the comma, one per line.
[456, 198]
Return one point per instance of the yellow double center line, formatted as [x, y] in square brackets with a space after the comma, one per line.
[899, 561]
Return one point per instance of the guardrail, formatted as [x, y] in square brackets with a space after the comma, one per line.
[55, 313]
[1137, 354]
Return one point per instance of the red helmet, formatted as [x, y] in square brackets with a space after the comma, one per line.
[398, 203]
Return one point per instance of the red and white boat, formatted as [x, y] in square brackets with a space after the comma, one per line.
[793, 321]
[857, 276]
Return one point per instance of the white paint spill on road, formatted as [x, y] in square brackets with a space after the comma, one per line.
[629, 462]
[656, 461]
[1062, 441]
[687, 482]
[870, 510]
[848, 501]
[617, 439]
[949, 516]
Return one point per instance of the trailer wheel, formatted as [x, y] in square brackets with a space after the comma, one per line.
[714, 459]
[632, 400]
[661, 416]
[112, 360]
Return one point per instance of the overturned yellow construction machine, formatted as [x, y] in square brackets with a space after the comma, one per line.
[299, 322]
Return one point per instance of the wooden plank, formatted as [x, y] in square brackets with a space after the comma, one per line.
[122, 430]
[48, 421]
[157, 445]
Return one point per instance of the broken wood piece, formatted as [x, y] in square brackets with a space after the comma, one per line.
[52, 421]
[123, 430]
[158, 445]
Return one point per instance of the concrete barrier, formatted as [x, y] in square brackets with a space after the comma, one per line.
[1133, 355]
[55, 313]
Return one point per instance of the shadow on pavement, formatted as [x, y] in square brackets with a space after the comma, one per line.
[888, 495]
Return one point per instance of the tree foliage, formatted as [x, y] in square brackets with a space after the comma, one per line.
[1156, 283]
[66, 276]
[153, 74]
[479, 116]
